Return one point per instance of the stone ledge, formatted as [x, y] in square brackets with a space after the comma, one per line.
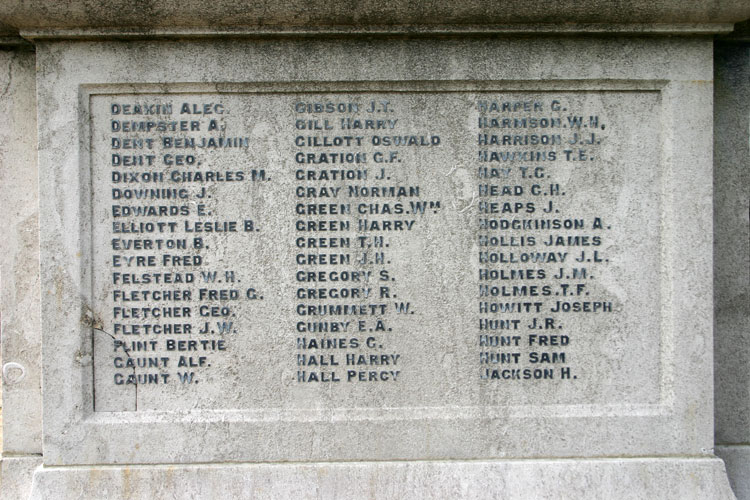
[260, 15]
[381, 31]
[663, 478]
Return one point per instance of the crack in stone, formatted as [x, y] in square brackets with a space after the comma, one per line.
[91, 320]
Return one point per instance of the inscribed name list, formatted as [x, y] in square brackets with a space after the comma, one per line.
[375, 249]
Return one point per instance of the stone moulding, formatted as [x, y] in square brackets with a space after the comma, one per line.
[224, 17]
[664, 478]
[381, 31]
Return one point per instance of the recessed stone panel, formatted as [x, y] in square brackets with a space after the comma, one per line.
[394, 249]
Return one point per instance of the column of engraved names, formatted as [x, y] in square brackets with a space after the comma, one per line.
[174, 306]
[351, 211]
[537, 256]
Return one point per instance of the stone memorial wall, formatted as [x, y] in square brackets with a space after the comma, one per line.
[341, 262]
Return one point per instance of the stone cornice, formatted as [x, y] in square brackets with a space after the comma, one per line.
[197, 18]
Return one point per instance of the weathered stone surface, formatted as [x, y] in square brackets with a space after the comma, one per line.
[16, 475]
[665, 410]
[732, 244]
[736, 458]
[224, 14]
[440, 424]
[668, 479]
[732, 259]
[19, 247]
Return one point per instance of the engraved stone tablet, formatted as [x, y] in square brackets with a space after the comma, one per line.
[485, 261]
[410, 249]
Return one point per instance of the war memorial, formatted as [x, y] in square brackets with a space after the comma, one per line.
[375, 250]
